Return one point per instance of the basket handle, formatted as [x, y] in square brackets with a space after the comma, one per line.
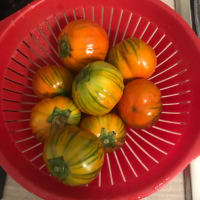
[0, 158]
[196, 150]
[4, 24]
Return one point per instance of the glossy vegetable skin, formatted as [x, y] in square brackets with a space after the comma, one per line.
[140, 105]
[82, 42]
[97, 88]
[53, 113]
[73, 156]
[109, 128]
[134, 58]
[52, 80]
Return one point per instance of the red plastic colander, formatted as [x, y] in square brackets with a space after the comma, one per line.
[149, 158]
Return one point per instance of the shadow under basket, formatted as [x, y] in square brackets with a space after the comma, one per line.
[150, 157]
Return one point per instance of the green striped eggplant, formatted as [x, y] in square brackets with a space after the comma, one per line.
[52, 80]
[73, 155]
[53, 113]
[109, 128]
[97, 88]
[134, 58]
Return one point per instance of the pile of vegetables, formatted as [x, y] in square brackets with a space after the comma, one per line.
[85, 104]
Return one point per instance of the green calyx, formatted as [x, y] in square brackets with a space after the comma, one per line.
[107, 138]
[65, 47]
[131, 43]
[133, 109]
[58, 118]
[58, 168]
[84, 76]
[61, 92]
